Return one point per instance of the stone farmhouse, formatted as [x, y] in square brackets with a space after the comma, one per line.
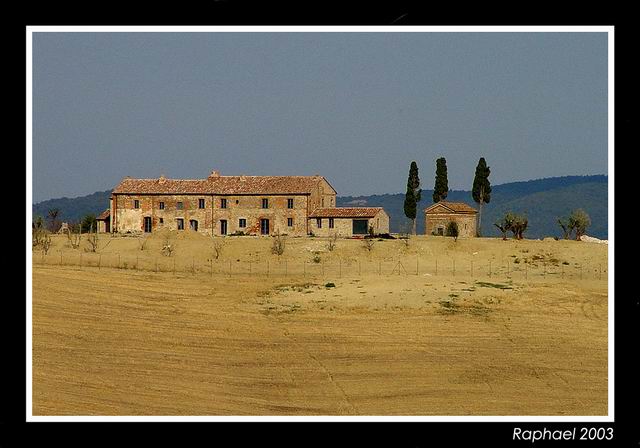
[441, 213]
[225, 205]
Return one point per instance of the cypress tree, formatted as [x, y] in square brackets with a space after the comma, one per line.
[413, 195]
[441, 187]
[481, 191]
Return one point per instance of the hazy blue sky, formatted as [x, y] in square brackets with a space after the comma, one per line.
[354, 107]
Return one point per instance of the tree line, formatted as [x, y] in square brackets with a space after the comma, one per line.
[575, 224]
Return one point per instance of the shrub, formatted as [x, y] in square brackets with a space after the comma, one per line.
[368, 244]
[452, 230]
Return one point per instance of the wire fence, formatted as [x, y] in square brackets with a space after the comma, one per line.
[283, 267]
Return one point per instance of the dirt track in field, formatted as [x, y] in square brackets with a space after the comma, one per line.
[116, 342]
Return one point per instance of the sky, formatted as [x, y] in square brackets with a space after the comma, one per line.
[356, 108]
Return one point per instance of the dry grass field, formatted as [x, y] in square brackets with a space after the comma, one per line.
[477, 335]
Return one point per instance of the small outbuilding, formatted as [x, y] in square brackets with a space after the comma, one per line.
[441, 213]
[103, 222]
[348, 221]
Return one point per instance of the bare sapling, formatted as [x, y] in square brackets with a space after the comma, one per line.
[331, 244]
[74, 238]
[142, 242]
[92, 239]
[368, 244]
[278, 244]
[218, 245]
[168, 248]
[46, 243]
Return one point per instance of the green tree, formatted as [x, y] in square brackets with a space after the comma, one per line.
[517, 224]
[566, 227]
[579, 220]
[452, 230]
[441, 187]
[88, 222]
[413, 195]
[504, 228]
[481, 191]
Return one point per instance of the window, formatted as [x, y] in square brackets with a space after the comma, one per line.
[193, 224]
[290, 222]
[331, 223]
[265, 203]
[242, 223]
[319, 223]
[161, 221]
[179, 205]
[200, 203]
[161, 205]
[180, 222]
[136, 203]
[223, 203]
[290, 203]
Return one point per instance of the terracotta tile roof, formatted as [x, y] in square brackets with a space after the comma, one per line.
[104, 215]
[345, 212]
[221, 185]
[455, 207]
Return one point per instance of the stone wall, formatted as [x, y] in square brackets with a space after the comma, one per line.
[344, 226]
[466, 223]
[249, 208]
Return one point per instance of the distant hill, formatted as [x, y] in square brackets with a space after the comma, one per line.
[542, 200]
[73, 209]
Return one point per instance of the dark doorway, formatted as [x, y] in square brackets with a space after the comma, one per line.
[264, 226]
[147, 224]
[193, 224]
[223, 227]
[107, 225]
[360, 226]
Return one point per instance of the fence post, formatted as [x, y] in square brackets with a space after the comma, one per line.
[436, 266]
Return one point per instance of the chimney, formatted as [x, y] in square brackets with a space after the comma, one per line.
[162, 179]
[214, 173]
[243, 177]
